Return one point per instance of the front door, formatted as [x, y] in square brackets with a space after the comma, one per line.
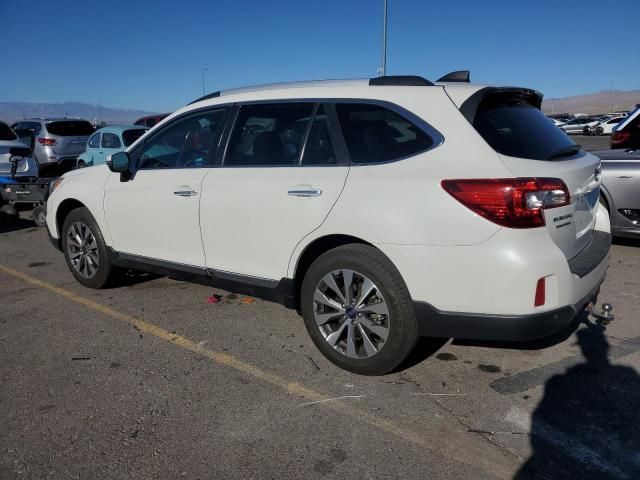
[155, 214]
[280, 178]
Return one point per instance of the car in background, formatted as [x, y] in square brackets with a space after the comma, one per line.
[109, 140]
[9, 142]
[54, 140]
[151, 120]
[556, 121]
[606, 126]
[627, 133]
[580, 125]
[620, 190]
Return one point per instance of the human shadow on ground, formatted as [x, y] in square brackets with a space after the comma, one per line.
[587, 425]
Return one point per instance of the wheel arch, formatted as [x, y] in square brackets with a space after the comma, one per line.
[312, 251]
[64, 209]
[608, 199]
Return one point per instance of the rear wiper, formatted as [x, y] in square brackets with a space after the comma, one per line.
[565, 152]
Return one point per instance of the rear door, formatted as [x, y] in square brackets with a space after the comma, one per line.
[71, 136]
[281, 175]
[530, 146]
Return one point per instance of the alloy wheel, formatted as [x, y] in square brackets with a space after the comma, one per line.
[351, 313]
[82, 249]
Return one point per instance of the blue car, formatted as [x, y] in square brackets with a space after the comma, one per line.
[109, 140]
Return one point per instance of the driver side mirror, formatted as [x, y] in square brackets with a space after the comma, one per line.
[118, 162]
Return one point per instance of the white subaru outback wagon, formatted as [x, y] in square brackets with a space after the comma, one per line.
[382, 210]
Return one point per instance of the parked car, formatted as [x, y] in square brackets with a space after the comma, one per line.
[107, 141]
[151, 120]
[55, 140]
[9, 141]
[557, 122]
[580, 125]
[620, 192]
[375, 222]
[606, 127]
[627, 133]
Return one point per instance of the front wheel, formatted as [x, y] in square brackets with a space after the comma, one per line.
[85, 250]
[599, 131]
[358, 311]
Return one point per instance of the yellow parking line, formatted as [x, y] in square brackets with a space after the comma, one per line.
[465, 448]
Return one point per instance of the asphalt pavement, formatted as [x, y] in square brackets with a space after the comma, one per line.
[150, 380]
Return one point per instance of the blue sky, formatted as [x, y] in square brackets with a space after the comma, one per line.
[150, 54]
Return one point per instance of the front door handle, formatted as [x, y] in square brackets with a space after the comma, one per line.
[309, 192]
[185, 193]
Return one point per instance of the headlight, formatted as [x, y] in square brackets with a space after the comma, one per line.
[53, 185]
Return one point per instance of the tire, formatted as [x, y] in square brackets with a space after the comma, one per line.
[93, 268]
[81, 164]
[10, 212]
[586, 131]
[39, 215]
[599, 131]
[333, 325]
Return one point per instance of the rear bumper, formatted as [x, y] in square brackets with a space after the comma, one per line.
[435, 323]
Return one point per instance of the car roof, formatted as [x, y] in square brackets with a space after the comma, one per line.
[120, 128]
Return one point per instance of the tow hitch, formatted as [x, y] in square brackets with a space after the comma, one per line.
[605, 316]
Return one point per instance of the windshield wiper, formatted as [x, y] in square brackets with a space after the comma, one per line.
[565, 152]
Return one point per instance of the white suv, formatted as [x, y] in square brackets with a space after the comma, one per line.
[381, 210]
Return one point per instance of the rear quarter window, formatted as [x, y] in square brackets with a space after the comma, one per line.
[70, 128]
[375, 134]
[513, 126]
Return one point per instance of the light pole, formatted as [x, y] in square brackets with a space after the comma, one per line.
[383, 68]
[203, 70]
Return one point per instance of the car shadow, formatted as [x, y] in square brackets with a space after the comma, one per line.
[587, 424]
[9, 223]
[129, 278]
[627, 242]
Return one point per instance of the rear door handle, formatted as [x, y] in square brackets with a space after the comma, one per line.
[185, 193]
[309, 192]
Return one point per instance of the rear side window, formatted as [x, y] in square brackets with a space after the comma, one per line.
[6, 133]
[269, 135]
[130, 136]
[110, 140]
[375, 134]
[515, 127]
[70, 128]
[318, 150]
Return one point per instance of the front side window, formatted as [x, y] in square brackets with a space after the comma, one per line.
[187, 143]
[376, 134]
[110, 140]
[269, 135]
[94, 142]
[130, 136]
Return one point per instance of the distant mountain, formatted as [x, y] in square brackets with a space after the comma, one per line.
[601, 102]
[12, 111]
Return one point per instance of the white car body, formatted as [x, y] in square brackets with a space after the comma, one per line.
[464, 273]
[606, 127]
[578, 125]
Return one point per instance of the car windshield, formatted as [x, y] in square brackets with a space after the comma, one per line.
[6, 133]
[70, 128]
[130, 136]
[513, 126]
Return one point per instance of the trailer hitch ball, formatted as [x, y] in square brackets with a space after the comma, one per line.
[605, 316]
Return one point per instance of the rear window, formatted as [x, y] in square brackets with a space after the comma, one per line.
[6, 133]
[70, 128]
[130, 136]
[515, 127]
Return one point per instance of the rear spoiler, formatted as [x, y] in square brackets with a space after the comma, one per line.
[471, 104]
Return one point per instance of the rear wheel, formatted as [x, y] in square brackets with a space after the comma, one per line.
[39, 215]
[85, 250]
[586, 130]
[358, 310]
[599, 131]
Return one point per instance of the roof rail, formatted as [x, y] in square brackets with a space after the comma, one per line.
[457, 76]
[205, 97]
[400, 80]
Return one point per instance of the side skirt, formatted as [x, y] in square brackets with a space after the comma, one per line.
[279, 291]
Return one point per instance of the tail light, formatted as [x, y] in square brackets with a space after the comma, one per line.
[510, 202]
[619, 137]
[47, 142]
